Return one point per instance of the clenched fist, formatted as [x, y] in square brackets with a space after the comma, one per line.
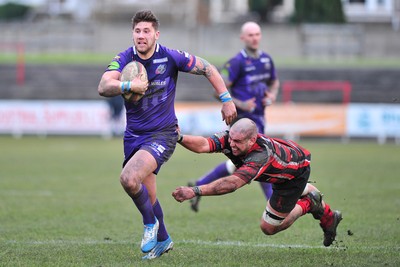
[183, 193]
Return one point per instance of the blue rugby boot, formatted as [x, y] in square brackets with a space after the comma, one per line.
[161, 248]
[149, 240]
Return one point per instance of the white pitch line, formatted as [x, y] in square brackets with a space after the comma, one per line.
[244, 244]
[199, 242]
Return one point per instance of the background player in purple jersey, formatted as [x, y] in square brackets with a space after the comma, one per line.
[251, 77]
[151, 130]
[257, 157]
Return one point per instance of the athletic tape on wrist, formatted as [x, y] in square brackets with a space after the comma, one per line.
[225, 97]
[125, 87]
[196, 190]
[122, 85]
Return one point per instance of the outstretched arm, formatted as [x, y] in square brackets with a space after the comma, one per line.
[198, 144]
[203, 67]
[220, 186]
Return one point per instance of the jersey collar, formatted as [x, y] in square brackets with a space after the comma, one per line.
[245, 55]
[155, 51]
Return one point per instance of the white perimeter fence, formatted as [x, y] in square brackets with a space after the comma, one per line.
[48, 117]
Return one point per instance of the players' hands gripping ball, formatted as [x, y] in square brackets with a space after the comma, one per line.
[134, 81]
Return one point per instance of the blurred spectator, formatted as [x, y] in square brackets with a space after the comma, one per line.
[116, 105]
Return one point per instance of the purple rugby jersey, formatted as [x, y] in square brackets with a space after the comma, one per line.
[249, 77]
[155, 111]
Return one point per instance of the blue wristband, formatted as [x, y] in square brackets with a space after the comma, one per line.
[122, 87]
[125, 87]
[225, 97]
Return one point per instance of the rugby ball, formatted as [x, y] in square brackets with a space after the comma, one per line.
[129, 72]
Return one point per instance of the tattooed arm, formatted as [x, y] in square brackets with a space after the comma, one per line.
[203, 67]
[220, 186]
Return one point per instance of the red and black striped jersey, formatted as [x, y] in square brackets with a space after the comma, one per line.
[270, 160]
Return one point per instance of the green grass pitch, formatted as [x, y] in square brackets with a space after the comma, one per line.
[61, 204]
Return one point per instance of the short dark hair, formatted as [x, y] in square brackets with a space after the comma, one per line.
[146, 16]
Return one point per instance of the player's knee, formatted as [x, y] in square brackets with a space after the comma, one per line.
[230, 167]
[127, 182]
[309, 187]
[267, 229]
[270, 222]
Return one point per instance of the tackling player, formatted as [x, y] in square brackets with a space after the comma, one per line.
[259, 158]
[151, 130]
[251, 77]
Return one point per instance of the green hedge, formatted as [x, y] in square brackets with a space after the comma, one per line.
[263, 8]
[318, 11]
[13, 11]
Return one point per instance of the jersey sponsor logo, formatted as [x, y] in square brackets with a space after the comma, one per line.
[265, 60]
[154, 92]
[160, 60]
[161, 69]
[250, 68]
[156, 147]
[113, 66]
[187, 55]
[259, 77]
[158, 83]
